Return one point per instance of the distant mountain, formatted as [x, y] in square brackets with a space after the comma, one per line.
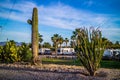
[2, 43]
[17, 43]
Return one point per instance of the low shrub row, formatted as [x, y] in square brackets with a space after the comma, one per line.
[10, 53]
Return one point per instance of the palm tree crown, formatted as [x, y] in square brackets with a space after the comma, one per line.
[66, 41]
[60, 40]
[40, 38]
[55, 40]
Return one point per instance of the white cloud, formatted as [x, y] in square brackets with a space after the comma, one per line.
[111, 33]
[19, 12]
[59, 15]
[66, 17]
[88, 3]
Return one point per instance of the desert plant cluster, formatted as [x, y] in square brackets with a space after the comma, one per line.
[90, 48]
[10, 52]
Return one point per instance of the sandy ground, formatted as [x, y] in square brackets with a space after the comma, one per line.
[53, 72]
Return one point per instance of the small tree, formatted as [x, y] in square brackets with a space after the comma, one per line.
[55, 40]
[46, 45]
[90, 48]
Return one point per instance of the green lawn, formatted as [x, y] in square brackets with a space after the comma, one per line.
[110, 64]
[60, 61]
[104, 64]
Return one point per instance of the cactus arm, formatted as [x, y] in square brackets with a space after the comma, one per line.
[29, 21]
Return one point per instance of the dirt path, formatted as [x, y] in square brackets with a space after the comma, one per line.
[53, 72]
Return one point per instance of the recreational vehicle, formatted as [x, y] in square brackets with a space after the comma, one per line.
[65, 51]
[45, 51]
[111, 54]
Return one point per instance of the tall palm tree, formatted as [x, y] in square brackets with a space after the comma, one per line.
[55, 40]
[60, 40]
[40, 39]
[76, 33]
[46, 45]
[73, 38]
[66, 41]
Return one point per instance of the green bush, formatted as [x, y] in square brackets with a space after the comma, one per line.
[1, 53]
[24, 52]
[10, 52]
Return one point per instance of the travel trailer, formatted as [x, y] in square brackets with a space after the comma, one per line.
[45, 51]
[111, 54]
[65, 51]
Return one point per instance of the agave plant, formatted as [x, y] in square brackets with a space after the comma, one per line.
[90, 48]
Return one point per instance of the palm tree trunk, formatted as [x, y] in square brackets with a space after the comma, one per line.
[60, 45]
[66, 44]
[56, 49]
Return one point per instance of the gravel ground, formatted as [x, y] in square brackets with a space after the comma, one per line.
[53, 72]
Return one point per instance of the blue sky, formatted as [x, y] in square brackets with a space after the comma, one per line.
[58, 16]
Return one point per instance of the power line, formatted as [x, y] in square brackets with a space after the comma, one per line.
[5, 23]
[10, 11]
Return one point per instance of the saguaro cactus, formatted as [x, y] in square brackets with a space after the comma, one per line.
[34, 23]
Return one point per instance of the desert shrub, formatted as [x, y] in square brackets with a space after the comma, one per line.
[90, 48]
[10, 52]
[24, 52]
[1, 53]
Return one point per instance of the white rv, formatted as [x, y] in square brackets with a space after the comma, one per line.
[110, 53]
[44, 51]
[65, 51]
